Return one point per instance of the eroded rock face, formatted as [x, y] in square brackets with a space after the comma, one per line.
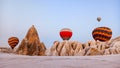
[90, 48]
[6, 50]
[65, 48]
[114, 47]
[31, 44]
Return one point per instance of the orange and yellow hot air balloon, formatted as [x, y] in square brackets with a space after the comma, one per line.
[13, 41]
[102, 34]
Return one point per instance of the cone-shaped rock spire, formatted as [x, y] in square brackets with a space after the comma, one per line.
[31, 44]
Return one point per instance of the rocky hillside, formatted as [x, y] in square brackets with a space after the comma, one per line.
[90, 48]
[6, 50]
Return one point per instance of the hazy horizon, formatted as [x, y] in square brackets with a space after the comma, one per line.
[49, 17]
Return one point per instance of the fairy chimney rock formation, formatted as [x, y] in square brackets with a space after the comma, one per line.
[31, 44]
[90, 48]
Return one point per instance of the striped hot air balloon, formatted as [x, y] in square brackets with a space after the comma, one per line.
[65, 33]
[13, 41]
[102, 34]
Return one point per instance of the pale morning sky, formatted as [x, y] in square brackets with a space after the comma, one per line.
[50, 16]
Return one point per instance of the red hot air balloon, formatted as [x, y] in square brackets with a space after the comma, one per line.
[102, 34]
[13, 41]
[65, 33]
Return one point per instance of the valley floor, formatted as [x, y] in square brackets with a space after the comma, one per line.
[20, 61]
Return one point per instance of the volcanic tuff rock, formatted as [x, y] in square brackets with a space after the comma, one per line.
[90, 48]
[6, 50]
[31, 44]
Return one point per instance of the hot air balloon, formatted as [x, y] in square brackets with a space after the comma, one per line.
[13, 41]
[65, 33]
[102, 34]
[98, 19]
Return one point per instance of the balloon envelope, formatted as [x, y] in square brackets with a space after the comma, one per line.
[65, 33]
[98, 19]
[102, 34]
[13, 41]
